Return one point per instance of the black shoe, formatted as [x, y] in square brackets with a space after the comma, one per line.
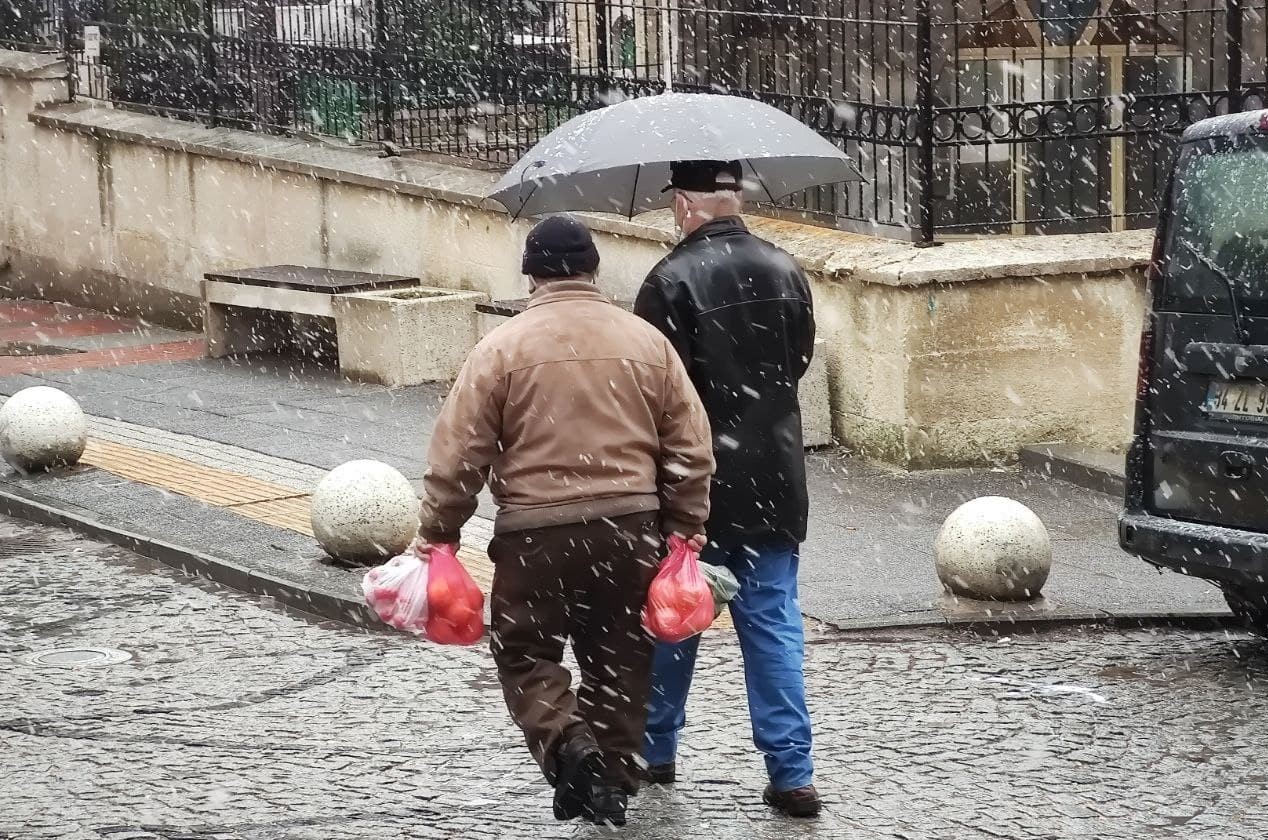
[606, 805]
[577, 767]
[800, 802]
[659, 774]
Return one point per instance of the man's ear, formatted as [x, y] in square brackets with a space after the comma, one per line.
[680, 207]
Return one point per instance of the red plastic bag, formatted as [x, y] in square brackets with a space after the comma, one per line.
[679, 602]
[397, 592]
[455, 605]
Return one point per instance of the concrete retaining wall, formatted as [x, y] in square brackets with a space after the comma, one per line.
[939, 356]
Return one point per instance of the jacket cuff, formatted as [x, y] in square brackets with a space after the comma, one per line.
[439, 536]
[673, 525]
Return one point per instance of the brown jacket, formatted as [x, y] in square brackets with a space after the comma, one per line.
[573, 411]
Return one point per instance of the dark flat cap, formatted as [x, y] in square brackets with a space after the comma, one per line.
[706, 175]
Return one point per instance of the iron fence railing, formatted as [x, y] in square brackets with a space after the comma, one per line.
[33, 25]
[966, 117]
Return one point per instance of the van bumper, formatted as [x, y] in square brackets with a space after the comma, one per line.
[1223, 555]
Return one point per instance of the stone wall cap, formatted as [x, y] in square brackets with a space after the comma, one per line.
[998, 257]
[317, 158]
[831, 254]
[29, 65]
[414, 294]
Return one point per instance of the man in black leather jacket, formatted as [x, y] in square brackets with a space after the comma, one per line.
[739, 312]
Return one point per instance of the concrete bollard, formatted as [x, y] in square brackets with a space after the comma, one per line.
[364, 512]
[994, 549]
[42, 427]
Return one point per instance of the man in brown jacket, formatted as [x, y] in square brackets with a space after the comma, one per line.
[582, 420]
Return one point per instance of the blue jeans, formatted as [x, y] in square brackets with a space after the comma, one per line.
[768, 622]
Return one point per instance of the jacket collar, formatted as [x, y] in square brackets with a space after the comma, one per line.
[724, 226]
[566, 290]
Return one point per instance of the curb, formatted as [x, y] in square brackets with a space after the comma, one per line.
[336, 607]
[1193, 620]
[323, 604]
[1091, 469]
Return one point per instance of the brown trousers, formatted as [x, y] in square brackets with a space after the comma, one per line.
[584, 582]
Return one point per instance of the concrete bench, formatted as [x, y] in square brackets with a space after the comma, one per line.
[386, 328]
[255, 310]
[513, 307]
[816, 414]
[492, 312]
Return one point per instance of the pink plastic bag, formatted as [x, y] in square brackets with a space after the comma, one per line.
[435, 597]
[679, 601]
[397, 592]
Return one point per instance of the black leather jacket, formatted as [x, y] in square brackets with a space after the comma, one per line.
[738, 310]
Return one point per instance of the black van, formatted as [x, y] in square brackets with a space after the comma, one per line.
[1197, 469]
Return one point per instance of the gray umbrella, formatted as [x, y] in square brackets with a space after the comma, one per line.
[616, 159]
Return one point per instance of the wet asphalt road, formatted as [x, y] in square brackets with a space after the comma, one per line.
[236, 720]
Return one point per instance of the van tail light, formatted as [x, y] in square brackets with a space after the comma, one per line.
[1153, 276]
[1145, 365]
[1145, 361]
[1137, 464]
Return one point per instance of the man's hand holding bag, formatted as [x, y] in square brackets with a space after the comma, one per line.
[679, 601]
[427, 592]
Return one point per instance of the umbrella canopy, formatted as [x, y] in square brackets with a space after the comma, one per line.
[616, 159]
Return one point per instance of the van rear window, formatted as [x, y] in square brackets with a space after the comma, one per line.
[1219, 227]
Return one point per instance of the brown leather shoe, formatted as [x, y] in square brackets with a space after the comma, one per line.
[799, 802]
[659, 774]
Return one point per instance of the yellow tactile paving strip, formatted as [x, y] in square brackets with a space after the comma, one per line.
[215, 487]
[293, 514]
[262, 501]
[479, 566]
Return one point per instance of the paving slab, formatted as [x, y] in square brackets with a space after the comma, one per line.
[879, 526]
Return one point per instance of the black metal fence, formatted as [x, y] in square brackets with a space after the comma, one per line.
[34, 25]
[967, 117]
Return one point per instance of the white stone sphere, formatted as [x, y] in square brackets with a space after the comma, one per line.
[994, 549]
[42, 427]
[364, 511]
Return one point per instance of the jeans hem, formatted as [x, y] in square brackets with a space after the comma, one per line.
[655, 757]
[783, 786]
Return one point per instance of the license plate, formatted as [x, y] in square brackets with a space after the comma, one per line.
[1238, 399]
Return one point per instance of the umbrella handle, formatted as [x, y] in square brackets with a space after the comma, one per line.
[537, 164]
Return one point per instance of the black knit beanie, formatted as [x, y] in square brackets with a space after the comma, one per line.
[559, 246]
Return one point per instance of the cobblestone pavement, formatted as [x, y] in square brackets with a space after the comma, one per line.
[236, 720]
